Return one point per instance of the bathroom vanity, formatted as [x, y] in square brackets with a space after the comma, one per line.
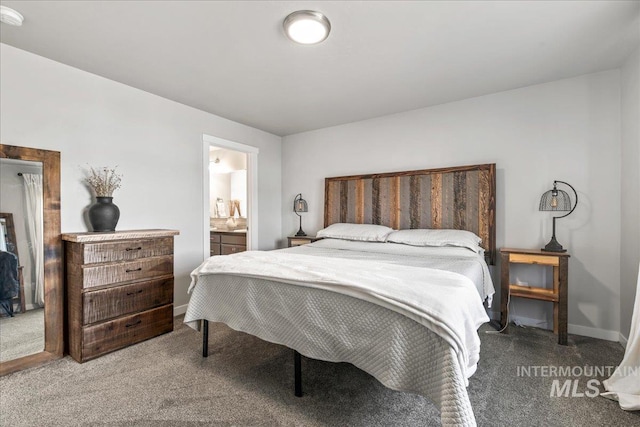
[227, 242]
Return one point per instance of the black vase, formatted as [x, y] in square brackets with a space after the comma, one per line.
[103, 214]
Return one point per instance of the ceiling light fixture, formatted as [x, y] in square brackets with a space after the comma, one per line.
[10, 16]
[307, 27]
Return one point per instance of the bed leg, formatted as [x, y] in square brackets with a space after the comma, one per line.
[205, 338]
[297, 367]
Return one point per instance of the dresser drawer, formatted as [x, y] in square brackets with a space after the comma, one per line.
[108, 274]
[124, 331]
[125, 250]
[214, 238]
[105, 304]
[534, 259]
[232, 249]
[215, 250]
[229, 239]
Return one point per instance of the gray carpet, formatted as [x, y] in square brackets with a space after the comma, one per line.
[248, 382]
[22, 334]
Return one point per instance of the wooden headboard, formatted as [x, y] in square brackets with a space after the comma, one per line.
[461, 198]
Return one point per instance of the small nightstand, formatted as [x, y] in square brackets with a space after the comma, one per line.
[300, 240]
[557, 295]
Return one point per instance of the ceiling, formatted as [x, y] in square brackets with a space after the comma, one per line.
[233, 60]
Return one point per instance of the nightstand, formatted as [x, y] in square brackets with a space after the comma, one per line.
[300, 240]
[557, 295]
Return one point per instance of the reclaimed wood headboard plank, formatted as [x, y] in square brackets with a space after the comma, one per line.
[460, 198]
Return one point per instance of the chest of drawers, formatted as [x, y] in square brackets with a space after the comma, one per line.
[119, 289]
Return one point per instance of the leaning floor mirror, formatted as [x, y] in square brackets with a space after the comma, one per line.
[31, 288]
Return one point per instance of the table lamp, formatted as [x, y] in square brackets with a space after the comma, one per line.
[300, 205]
[556, 200]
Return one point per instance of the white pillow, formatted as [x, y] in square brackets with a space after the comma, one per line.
[360, 232]
[429, 237]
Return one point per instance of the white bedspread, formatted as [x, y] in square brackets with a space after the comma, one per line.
[405, 345]
[447, 303]
[455, 259]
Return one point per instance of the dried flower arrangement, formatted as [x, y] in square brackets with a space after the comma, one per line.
[103, 181]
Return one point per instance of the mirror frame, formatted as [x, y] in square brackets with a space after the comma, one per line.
[53, 281]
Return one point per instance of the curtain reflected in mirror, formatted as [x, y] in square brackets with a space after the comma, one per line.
[21, 259]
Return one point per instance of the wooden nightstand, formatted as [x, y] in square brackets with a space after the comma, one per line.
[557, 295]
[300, 240]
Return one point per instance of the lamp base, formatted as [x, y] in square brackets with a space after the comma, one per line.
[554, 246]
[300, 233]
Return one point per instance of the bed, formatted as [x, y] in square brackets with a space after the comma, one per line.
[405, 313]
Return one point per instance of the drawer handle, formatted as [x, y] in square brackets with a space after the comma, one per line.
[134, 249]
[129, 325]
[133, 293]
[135, 269]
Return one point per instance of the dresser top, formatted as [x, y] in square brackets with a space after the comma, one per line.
[88, 237]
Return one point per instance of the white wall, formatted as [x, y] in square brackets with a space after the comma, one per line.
[156, 143]
[238, 190]
[219, 187]
[227, 179]
[567, 130]
[229, 160]
[630, 183]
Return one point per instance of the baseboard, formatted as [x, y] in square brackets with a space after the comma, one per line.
[523, 321]
[623, 340]
[179, 309]
[586, 331]
[602, 334]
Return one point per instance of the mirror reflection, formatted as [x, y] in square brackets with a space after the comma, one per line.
[21, 259]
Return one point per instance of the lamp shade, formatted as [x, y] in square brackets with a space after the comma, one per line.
[300, 204]
[556, 200]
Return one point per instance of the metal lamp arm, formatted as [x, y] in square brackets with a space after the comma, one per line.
[574, 192]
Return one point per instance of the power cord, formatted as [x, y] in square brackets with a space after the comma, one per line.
[507, 322]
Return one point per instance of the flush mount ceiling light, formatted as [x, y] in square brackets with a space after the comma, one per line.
[10, 16]
[307, 27]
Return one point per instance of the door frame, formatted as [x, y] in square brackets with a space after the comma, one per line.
[252, 189]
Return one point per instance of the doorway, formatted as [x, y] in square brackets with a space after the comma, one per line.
[229, 197]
